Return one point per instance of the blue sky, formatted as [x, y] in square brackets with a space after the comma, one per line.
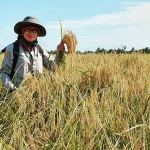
[108, 24]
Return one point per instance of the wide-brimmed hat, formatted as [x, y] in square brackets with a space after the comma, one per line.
[27, 22]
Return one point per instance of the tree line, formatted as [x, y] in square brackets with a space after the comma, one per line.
[122, 50]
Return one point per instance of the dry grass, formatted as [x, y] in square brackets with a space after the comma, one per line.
[97, 102]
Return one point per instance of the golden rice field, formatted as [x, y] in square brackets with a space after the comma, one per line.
[97, 102]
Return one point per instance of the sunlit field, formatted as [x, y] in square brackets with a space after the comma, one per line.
[95, 102]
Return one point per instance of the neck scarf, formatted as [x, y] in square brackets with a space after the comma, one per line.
[26, 45]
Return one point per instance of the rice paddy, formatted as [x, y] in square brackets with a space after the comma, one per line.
[97, 102]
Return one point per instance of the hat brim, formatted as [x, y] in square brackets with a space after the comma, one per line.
[19, 25]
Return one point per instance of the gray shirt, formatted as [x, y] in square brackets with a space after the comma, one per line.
[27, 63]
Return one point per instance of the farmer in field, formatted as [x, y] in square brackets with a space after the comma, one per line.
[26, 56]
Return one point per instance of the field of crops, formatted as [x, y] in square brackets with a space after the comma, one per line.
[97, 102]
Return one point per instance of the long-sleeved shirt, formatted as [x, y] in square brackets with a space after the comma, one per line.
[28, 61]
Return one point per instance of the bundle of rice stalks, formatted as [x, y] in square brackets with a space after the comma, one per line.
[71, 41]
[69, 38]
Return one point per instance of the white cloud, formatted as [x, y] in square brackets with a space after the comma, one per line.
[133, 14]
[7, 29]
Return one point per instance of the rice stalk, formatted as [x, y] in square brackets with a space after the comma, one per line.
[61, 56]
[61, 35]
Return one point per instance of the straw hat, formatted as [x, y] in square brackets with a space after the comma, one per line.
[27, 22]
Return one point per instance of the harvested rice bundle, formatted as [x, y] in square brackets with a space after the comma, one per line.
[71, 41]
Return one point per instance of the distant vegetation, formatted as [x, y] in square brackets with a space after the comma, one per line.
[122, 50]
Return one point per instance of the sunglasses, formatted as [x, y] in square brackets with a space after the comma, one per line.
[33, 30]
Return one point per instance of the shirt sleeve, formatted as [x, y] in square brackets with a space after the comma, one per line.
[48, 61]
[6, 67]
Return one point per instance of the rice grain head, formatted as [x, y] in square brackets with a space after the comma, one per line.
[71, 41]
